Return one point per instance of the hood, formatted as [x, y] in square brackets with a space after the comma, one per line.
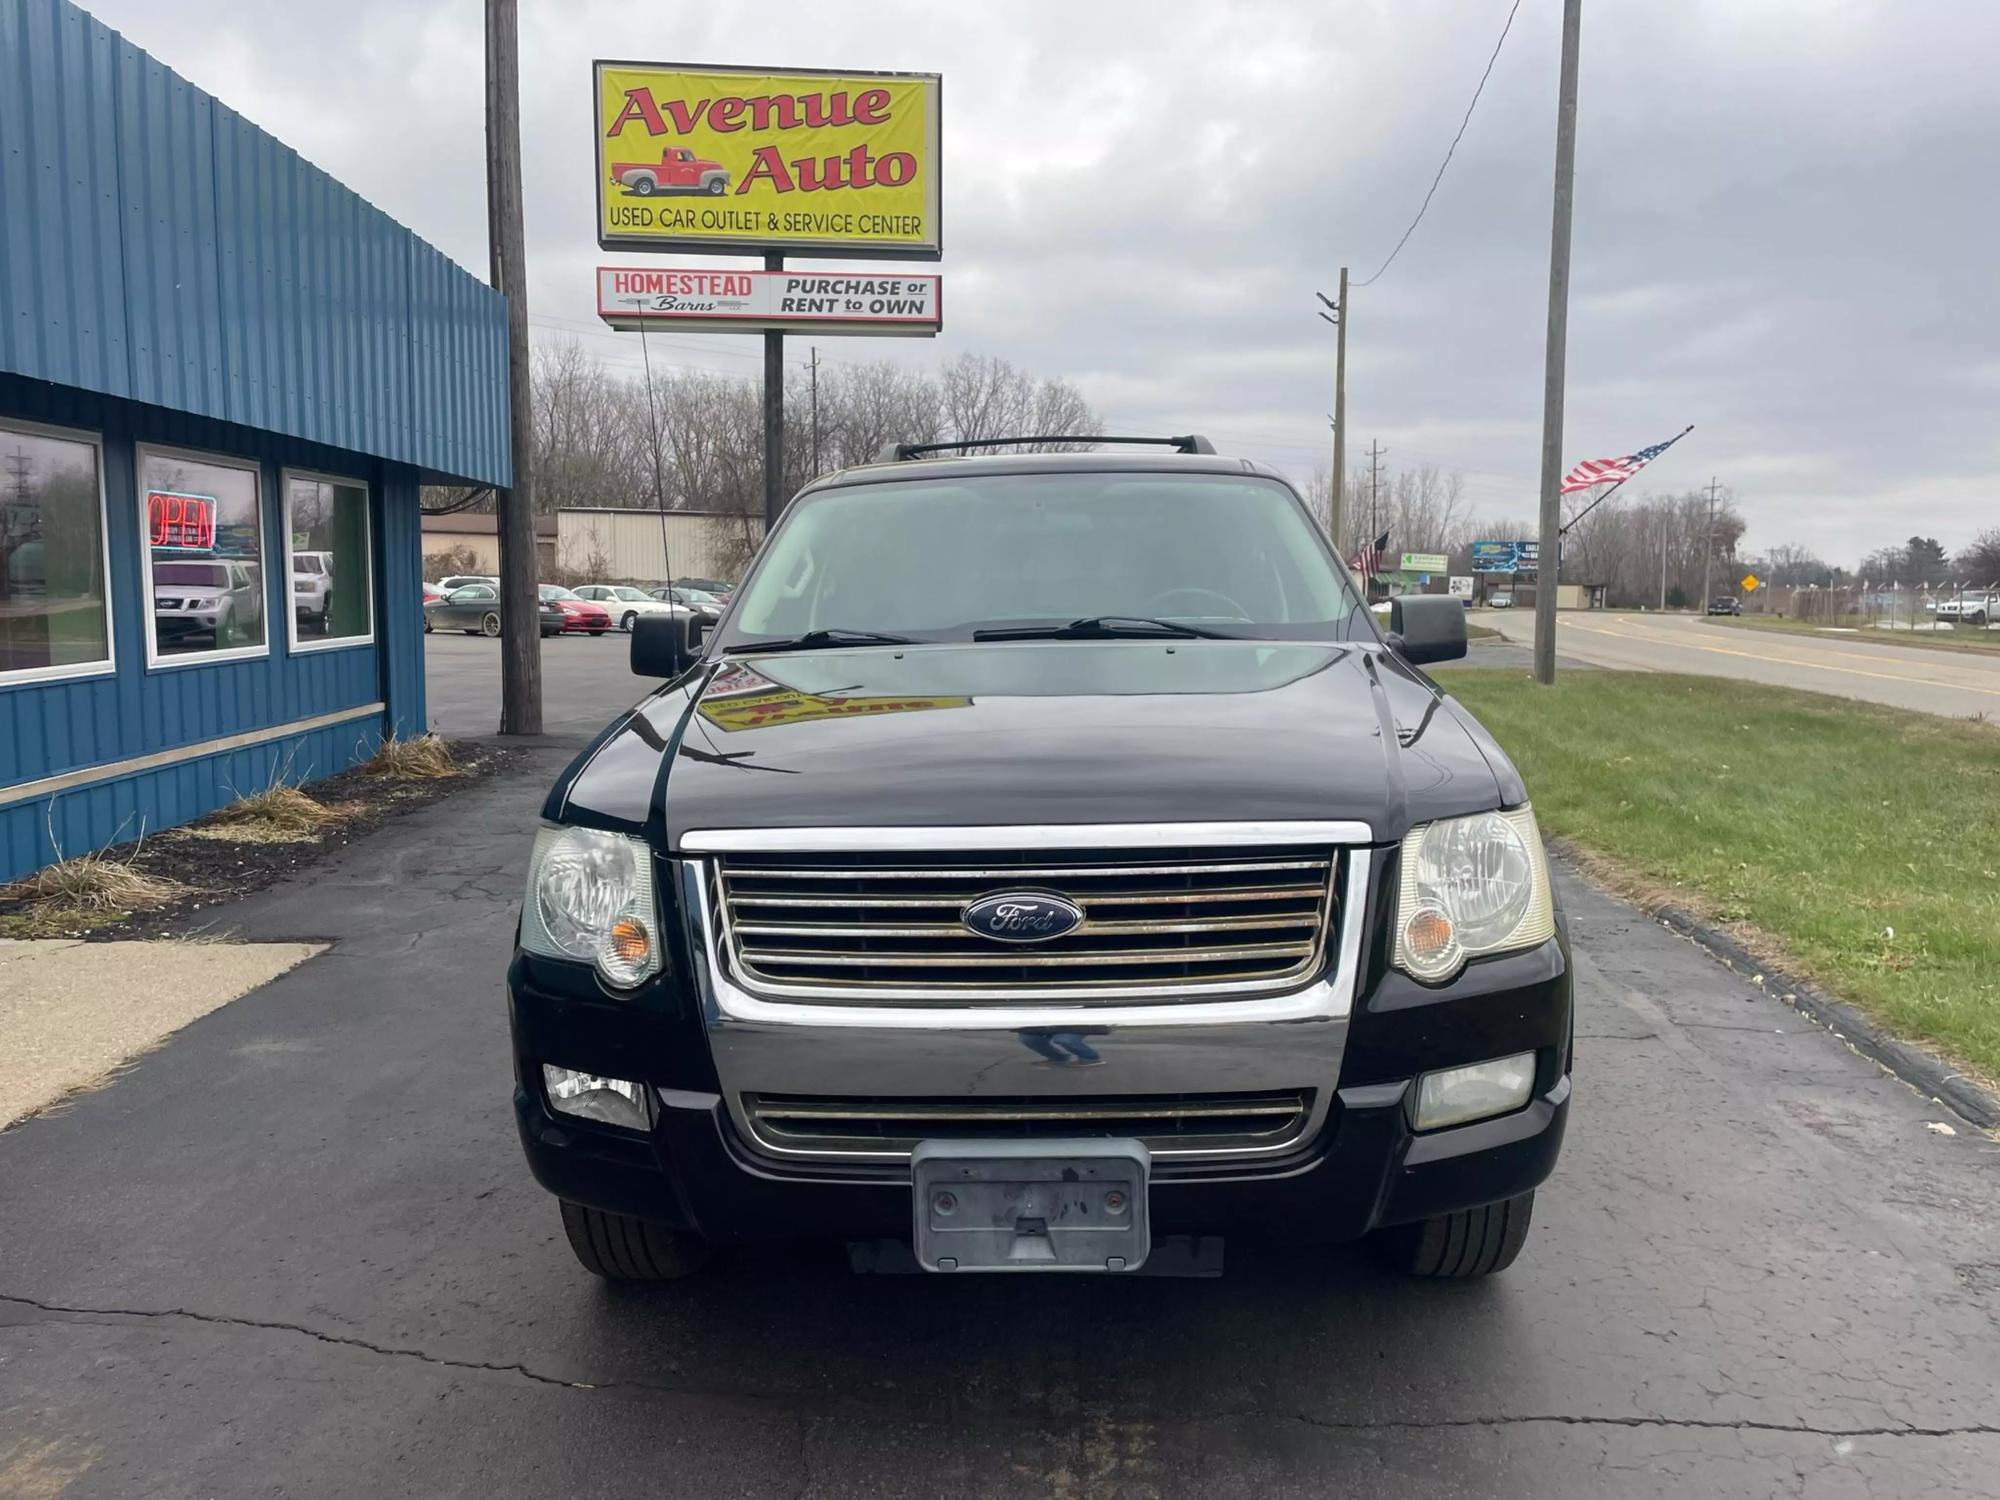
[1041, 732]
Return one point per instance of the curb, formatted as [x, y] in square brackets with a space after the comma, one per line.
[1928, 1075]
[1922, 1072]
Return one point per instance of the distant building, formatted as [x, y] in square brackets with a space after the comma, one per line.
[637, 546]
[479, 534]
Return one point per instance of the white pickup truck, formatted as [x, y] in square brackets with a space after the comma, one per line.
[1974, 609]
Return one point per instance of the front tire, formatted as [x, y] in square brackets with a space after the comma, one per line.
[597, 632]
[427, 622]
[717, 188]
[620, 1248]
[1457, 1246]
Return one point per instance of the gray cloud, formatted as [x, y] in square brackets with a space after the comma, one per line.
[1784, 234]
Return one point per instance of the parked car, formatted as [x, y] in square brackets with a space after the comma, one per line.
[1723, 604]
[994, 970]
[218, 597]
[462, 580]
[580, 616]
[720, 589]
[475, 609]
[678, 170]
[624, 603]
[1974, 609]
[1500, 599]
[312, 588]
[699, 600]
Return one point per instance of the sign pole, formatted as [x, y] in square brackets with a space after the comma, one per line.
[520, 613]
[1557, 350]
[774, 413]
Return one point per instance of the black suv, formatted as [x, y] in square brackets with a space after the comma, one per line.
[1045, 864]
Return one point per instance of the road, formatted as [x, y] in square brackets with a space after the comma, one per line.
[295, 1251]
[1956, 684]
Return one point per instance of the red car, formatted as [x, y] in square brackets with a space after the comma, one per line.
[579, 615]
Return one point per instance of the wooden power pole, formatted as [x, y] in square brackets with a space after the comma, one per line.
[774, 414]
[520, 608]
[1337, 503]
[1548, 570]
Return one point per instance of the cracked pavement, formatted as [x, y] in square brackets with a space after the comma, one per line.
[296, 1252]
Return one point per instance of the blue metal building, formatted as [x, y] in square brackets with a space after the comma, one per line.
[223, 377]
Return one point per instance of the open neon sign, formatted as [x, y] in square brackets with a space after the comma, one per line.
[177, 520]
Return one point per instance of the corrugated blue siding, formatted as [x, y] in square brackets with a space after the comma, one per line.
[157, 245]
[49, 728]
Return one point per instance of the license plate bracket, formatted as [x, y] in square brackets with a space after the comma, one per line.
[1060, 1205]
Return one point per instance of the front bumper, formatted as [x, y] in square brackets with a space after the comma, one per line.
[1359, 1166]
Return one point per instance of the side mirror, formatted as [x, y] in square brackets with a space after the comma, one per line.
[1427, 627]
[662, 646]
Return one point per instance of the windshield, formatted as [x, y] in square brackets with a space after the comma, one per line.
[202, 575]
[937, 559]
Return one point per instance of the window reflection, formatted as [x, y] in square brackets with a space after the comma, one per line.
[53, 613]
[205, 544]
[326, 524]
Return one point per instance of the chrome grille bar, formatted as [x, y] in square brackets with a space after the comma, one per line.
[842, 925]
[1209, 1126]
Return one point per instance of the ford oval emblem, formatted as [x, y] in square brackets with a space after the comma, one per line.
[1021, 917]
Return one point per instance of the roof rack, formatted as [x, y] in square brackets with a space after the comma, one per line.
[897, 452]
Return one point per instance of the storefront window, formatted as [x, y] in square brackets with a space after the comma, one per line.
[205, 554]
[54, 618]
[326, 531]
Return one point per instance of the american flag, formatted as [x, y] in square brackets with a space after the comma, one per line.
[1596, 471]
[1368, 557]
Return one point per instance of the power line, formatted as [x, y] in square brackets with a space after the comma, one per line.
[1449, 149]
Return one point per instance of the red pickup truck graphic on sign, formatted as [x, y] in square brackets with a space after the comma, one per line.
[678, 170]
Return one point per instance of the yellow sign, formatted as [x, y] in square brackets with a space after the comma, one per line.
[739, 160]
[1750, 583]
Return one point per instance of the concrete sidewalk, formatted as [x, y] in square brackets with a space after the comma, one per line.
[72, 1011]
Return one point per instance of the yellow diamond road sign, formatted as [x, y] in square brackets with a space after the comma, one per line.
[1750, 583]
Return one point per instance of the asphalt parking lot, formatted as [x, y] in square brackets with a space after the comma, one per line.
[585, 680]
[295, 1252]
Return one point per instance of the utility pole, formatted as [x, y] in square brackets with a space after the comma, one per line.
[815, 400]
[1709, 551]
[1336, 503]
[1337, 493]
[774, 414]
[1664, 535]
[1375, 452]
[1548, 572]
[520, 608]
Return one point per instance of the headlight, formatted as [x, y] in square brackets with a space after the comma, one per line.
[1470, 886]
[590, 896]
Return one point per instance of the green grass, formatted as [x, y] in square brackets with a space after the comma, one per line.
[1960, 637]
[1859, 845]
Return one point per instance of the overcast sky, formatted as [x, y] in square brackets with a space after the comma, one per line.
[1786, 223]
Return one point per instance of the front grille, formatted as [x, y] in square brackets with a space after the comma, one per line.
[1210, 1125]
[1164, 923]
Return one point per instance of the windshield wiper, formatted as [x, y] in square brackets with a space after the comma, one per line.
[833, 635]
[1103, 628]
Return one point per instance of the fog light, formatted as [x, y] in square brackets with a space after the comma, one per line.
[1456, 1096]
[609, 1101]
